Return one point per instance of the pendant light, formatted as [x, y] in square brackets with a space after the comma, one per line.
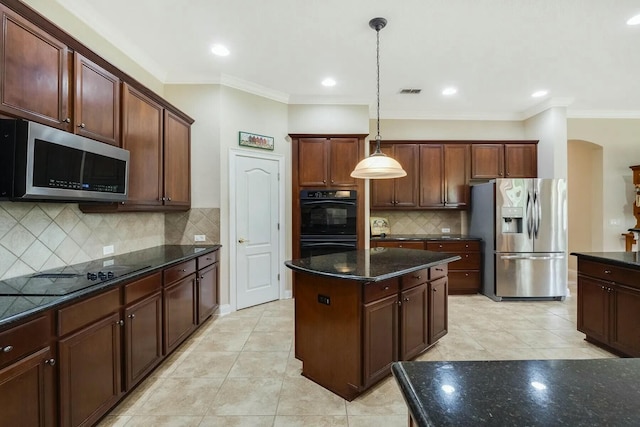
[378, 165]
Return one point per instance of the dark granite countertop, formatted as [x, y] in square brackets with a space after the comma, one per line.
[370, 265]
[623, 259]
[425, 237]
[598, 392]
[16, 308]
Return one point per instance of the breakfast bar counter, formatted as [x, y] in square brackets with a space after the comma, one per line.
[599, 392]
[357, 312]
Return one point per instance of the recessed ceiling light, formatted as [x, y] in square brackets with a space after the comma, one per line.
[219, 50]
[539, 93]
[328, 82]
[634, 20]
[448, 91]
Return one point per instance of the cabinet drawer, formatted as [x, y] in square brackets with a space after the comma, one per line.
[414, 279]
[404, 244]
[464, 281]
[438, 271]
[24, 339]
[467, 261]
[378, 290]
[142, 287]
[610, 273]
[206, 260]
[179, 271]
[88, 311]
[454, 246]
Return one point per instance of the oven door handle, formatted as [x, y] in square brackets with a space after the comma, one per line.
[324, 202]
[323, 244]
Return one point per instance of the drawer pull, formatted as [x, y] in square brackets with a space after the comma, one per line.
[50, 362]
[386, 288]
[417, 277]
[132, 316]
[607, 272]
[7, 349]
[120, 322]
[406, 299]
[184, 270]
[439, 269]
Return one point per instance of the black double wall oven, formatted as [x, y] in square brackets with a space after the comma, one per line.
[328, 222]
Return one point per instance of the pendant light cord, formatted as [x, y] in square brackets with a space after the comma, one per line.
[378, 137]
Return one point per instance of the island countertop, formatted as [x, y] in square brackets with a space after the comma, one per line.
[623, 259]
[370, 265]
[594, 392]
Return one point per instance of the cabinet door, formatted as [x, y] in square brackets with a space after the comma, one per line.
[179, 312]
[382, 190]
[143, 338]
[438, 309]
[521, 160]
[593, 308]
[34, 73]
[431, 176]
[207, 292]
[406, 188]
[97, 102]
[90, 372]
[487, 161]
[380, 338]
[343, 159]
[313, 162]
[625, 320]
[414, 323]
[456, 175]
[142, 136]
[177, 170]
[27, 391]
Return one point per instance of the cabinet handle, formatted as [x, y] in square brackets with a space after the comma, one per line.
[399, 302]
[607, 272]
[466, 246]
[332, 181]
[386, 288]
[406, 299]
[132, 316]
[7, 349]
[50, 362]
[439, 269]
[440, 246]
[184, 270]
[399, 246]
[169, 198]
[434, 289]
[82, 125]
[417, 277]
[201, 277]
[466, 274]
[120, 322]
[67, 120]
[324, 181]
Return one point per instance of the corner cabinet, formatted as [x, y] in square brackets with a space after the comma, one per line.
[504, 160]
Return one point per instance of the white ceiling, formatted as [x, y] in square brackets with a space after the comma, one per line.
[497, 52]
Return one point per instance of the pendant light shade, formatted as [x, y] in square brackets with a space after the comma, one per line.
[378, 165]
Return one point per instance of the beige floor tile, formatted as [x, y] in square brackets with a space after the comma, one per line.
[247, 396]
[260, 364]
[181, 396]
[223, 341]
[381, 420]
[164, 421]
[138, 396]
[205, 364]
[384, 399]
[236, 323]
[311, 420]
[269, 341]
[237, 421]
[114, 421]
[491, 339]
[275, 323]
[541, 339]
[301, 396]
[294, 367]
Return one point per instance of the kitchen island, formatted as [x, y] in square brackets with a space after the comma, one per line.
[609, 300]
[357, 312]
[599, 392]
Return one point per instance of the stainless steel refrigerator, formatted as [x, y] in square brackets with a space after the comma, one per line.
[523, 225]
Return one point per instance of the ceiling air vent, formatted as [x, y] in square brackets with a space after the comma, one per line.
[411, 91]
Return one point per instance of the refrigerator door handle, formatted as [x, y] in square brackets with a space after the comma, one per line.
[537, 214]
[532, 257]
[529, 215]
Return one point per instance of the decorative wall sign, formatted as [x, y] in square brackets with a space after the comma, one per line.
[379, 226]
[257, 141]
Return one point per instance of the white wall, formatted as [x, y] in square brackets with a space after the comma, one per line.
[550, 128]
[327, 119]
[620, 141]
[447, 129]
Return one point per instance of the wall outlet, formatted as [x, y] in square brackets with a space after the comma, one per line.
[107, 250]
[199, 238]
[445, 230]
[615, 221]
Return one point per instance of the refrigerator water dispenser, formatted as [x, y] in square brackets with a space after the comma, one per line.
[511, 219]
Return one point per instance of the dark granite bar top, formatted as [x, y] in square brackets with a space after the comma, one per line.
[421, 237]
[598, 392]
[16, 308]
[370, 265]
[623, 259]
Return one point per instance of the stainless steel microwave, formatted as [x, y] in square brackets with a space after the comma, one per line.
[39, 162]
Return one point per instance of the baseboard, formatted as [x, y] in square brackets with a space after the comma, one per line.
[288, 295]
[224, 309]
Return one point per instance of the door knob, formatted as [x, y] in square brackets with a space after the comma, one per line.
[243, 241]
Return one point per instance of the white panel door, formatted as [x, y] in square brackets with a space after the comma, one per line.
[257, 213]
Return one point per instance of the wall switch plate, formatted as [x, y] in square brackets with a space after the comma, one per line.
[107, 250]
[445, 230]
[199, 238]
[615, 221]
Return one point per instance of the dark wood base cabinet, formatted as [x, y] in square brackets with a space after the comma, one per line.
[609, 306]
[348, 333]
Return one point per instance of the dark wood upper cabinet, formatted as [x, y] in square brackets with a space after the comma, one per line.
[431, 176]
[177, 163]
[398, 192]
[327, 162]
[456, 172]
[97, 102]
[504, 160]
[34, 73]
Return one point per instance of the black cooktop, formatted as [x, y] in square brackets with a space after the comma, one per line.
[66, 280]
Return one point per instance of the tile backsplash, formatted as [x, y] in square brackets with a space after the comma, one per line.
[40, 236]
[422, 222]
